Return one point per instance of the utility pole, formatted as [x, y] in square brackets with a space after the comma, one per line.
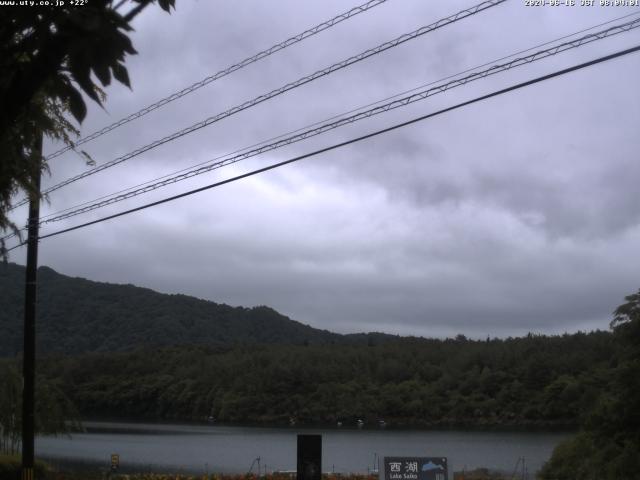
[29, 350]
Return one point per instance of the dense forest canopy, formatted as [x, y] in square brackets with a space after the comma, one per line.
[536, 380]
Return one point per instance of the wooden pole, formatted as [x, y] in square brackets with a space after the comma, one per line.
[29, 351]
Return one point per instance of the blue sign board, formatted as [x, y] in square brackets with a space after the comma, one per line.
[415, 468]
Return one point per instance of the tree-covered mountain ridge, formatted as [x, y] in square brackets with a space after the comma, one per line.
[76, 315]
[410, 382]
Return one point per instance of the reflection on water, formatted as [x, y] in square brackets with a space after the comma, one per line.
[201, 449]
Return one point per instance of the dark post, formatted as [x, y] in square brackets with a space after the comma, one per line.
[309, 457]
[29, 351]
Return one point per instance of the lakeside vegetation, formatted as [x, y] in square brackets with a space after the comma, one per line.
[608, 444]
[54, 414]
[10, 468]
[531, 381]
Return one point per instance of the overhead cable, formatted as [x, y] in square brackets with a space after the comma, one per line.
[348, 142]
[207, 166]
[337, 116]
[279, 91]
[222, 73]
[401, 102]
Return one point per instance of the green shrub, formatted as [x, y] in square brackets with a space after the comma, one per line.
[10, 466]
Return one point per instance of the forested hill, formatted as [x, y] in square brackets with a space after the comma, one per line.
[77, 315]
[535, 380]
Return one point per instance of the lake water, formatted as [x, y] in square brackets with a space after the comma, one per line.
[203, 449]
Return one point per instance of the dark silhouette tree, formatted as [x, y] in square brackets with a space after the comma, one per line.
[47, 58]
[607, 446]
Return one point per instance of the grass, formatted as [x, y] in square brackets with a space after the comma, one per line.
[10, 470]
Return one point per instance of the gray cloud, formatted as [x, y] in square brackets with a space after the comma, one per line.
[514, 215]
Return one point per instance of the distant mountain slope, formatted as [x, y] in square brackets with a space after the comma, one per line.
[77, 315]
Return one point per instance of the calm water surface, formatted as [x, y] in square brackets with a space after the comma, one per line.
[201, 449]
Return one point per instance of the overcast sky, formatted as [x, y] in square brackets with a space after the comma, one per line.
[519, 214]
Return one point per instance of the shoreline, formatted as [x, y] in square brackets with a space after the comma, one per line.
[91, 423]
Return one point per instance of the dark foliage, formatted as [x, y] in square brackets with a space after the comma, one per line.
[11, 466]
[54, 413]
[408, 382]
[48, 55]
[608, 446]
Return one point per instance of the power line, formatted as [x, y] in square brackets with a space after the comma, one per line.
[349, 142]
[279, 91]
[333, 117]
[222, 73]
[421, 95]
[460, 73]
[201, 168]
